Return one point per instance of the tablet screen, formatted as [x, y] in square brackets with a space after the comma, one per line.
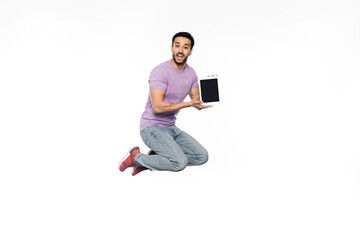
[209, 90]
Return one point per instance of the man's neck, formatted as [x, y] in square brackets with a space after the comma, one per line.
[180, 67]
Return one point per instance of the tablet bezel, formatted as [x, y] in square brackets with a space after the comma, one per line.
[208, 77]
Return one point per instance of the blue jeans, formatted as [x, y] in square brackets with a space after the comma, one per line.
[174, 148]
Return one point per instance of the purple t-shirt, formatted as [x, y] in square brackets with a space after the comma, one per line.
[177, 85]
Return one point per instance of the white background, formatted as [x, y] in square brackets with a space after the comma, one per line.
[284, 144]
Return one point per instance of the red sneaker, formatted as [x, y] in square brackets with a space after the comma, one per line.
[138, 169]
[128, 160]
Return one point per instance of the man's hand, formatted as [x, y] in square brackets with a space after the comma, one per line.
[198, 106]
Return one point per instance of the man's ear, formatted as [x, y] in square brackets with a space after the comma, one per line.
[190, 52]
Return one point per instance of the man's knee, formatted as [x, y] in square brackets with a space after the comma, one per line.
[203, 156]
[179, 163]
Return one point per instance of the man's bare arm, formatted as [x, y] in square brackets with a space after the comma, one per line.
[160, 106]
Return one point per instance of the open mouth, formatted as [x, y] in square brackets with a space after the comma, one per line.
[179, 56]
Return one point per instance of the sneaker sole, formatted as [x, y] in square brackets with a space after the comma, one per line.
[126, 156]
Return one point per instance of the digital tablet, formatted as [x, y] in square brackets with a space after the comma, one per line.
[209, 90]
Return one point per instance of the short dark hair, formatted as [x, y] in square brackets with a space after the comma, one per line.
[184, 34]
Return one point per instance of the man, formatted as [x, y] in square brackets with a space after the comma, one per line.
[169, 82]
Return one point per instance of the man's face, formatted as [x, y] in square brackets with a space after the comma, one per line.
[181, 50]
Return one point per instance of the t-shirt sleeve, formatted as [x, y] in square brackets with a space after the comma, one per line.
[195, 83]
[157, 79]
